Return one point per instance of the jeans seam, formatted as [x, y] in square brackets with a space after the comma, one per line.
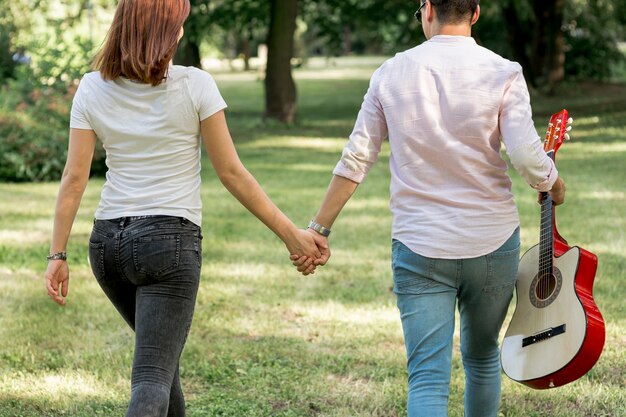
[118, 265]
[99, 246]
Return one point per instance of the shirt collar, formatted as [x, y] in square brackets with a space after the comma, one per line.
[450, 39]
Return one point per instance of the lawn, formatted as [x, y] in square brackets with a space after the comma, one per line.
[267, 341]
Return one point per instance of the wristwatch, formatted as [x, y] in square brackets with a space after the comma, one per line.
[319, 228]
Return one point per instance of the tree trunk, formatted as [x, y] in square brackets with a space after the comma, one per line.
[540, 39]
[518, 39]
[548, 43]
[539, 45]
[556, 48]
[280, 89]
[246, 51]
[188, 54]
[346, 40]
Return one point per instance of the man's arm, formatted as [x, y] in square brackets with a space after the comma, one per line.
[358, 156]
[523, 145]
[339, 192]
[337, 195]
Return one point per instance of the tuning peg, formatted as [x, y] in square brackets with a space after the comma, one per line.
[569, 128]
[570, 121]
[567, 136]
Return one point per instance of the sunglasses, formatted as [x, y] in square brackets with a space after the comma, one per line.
[418, 13]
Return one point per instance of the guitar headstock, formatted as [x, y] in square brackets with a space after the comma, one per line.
[560, 124]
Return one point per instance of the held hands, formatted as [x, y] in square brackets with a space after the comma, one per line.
[57, 280]
[307, 264]
[311, 252]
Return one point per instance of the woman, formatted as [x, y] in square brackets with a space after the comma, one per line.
[145, 248]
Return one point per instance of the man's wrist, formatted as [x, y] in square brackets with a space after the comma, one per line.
[324, 231]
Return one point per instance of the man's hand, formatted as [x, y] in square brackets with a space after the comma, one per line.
[558, 191]
[57, 280]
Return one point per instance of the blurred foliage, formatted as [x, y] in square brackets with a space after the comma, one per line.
[37, 93]
[593, 28]
[33, 128]
[54, 38]
[343, 27]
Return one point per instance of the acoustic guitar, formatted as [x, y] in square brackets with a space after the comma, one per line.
[557, 332]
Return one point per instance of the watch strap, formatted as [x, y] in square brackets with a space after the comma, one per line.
[319, 228]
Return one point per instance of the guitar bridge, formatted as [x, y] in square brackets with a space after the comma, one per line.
[545, 335]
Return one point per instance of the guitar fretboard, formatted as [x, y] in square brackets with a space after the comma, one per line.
[546, 237]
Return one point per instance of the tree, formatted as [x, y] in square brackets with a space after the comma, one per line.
[234, 26]
[592, 31]
[555, 38]
[188, 51]
[357, 26]
[7, 64]
[280, 89]
[536, 38]
[551, 39]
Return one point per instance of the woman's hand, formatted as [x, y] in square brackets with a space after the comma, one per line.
[58, 280]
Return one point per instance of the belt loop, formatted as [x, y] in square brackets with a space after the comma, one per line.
[122, 222]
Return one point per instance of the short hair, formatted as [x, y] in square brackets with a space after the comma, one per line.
[454, 11]
[142, 40]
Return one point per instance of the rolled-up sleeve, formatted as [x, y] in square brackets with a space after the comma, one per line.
[523, 145]
[370, 130]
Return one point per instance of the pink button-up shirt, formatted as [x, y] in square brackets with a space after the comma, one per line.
[445, 106]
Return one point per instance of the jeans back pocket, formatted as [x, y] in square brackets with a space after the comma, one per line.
[156, 255]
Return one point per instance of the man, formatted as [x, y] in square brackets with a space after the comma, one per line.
[445, 106]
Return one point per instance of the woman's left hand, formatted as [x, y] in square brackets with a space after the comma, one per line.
[58, 280]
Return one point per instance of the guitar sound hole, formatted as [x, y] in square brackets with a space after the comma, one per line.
[545, 287]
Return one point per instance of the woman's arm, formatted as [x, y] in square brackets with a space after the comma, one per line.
[73, 184]
[244, 187]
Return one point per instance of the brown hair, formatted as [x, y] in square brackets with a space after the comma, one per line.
[455, 11]
[142, 40]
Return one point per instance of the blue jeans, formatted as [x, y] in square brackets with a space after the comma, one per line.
[149, 267]
[427, 290]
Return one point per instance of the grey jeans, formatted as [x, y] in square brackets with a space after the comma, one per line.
[149, 267]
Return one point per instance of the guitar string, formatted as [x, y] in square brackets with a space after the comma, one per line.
[546, 240]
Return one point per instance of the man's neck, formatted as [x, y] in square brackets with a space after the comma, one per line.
[453, 30]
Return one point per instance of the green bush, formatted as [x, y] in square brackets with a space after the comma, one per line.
[35, 104]
[33, 134]
[34, 131]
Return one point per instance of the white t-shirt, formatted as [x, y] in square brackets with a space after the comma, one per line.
[152, 140]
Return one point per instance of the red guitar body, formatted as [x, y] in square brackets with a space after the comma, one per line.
[557, 333]
[593, 343]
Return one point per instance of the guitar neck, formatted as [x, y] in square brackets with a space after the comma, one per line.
[546, 235]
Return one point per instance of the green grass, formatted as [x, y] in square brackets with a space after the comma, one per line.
[267, 341]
